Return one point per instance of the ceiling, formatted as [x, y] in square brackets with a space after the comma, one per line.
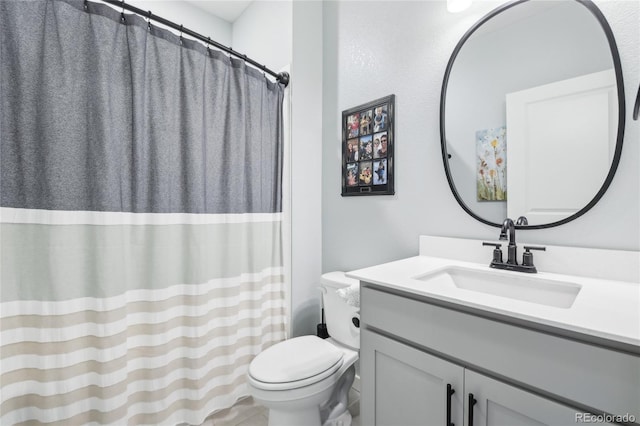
[229, 10]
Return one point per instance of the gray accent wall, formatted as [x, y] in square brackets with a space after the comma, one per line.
[373, 49]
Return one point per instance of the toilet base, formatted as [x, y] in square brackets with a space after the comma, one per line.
[333, 413]
[344, 419]
[307, 417]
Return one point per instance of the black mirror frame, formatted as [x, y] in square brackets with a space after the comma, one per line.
[621, 114]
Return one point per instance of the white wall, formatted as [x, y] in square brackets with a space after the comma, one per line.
[263, 32]
[372, 49]
[190, 16]
[306, 87]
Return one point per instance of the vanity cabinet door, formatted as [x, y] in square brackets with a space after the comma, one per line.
[405, 386]
[499, 404]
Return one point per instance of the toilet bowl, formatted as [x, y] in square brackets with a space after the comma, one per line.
[305, 381]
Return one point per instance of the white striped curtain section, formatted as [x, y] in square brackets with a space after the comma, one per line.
[141, 264]
[154, 357]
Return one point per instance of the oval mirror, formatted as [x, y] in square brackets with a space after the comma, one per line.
[532, 113]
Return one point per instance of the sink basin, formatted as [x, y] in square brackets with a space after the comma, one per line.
[559, 294]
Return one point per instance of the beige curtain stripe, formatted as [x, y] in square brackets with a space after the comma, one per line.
[108, 392]
[106, 317]
[105, 343]
[158, 418]
[59, 374]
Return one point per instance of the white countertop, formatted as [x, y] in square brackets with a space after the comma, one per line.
[603, 308]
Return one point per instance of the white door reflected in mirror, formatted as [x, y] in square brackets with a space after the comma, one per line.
[554, 164]
[559, 53]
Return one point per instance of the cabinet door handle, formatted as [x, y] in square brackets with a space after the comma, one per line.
[472, 402]
[450, 391]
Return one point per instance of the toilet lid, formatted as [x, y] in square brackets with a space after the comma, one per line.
[294, 359]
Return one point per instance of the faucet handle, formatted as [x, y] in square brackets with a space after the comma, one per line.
[496, 245]
[497, 252]
[527, 256]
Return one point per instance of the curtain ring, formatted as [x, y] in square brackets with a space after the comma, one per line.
[122, 18]
[181, 35]
[208, 43]
[86, 5]
[149, 21]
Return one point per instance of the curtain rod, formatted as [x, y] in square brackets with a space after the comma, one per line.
[282, 78]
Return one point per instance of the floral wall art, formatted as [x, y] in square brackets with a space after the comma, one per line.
[491, 164]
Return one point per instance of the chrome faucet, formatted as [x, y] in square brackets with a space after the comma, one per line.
[512, 249]
[508, 231]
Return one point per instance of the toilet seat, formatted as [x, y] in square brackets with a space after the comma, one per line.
[295, 363]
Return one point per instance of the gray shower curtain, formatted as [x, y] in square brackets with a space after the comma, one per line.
[140, 219]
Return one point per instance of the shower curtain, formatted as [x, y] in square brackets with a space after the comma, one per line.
[141, 224]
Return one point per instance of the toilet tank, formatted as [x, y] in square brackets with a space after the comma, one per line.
[338, 314]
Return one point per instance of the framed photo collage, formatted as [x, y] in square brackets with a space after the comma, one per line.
[367, 148]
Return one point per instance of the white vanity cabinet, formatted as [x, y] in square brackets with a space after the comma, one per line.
[406, 386]
[411, 387]
[500, 404]
[412, 348]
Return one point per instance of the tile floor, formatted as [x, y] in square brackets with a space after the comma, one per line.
[247, 413]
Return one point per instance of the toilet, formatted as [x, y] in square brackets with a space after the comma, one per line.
[305, 381]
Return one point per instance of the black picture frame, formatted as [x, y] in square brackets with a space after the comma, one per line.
[368, 143]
